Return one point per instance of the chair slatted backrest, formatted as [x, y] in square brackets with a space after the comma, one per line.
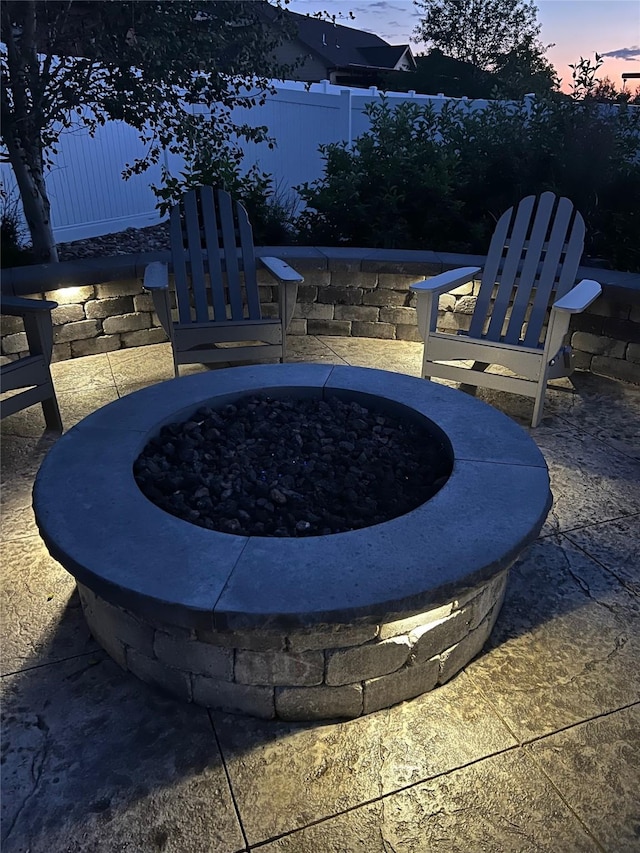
[534, 256]
[213, 259]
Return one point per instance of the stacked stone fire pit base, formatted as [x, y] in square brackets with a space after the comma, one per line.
[322, 627]
[329, 671]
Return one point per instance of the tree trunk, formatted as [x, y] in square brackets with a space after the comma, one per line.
[35, 202]
[23, 123]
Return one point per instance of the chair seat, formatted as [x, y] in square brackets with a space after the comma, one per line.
[29, 370]
[226, 325]
[496, 345]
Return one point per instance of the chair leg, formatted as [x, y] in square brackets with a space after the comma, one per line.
[479, 366]
[538, 404]
[425, 372]
[51, 412]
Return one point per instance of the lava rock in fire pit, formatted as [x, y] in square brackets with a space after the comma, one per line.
[292, 467]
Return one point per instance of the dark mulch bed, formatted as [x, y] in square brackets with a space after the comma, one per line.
[289, 467]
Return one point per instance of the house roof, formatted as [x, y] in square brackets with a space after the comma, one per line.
[387, 56]
[339, 46]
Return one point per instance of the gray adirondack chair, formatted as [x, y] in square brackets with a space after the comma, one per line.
[526, 298]
[31, 372]
[216, 288]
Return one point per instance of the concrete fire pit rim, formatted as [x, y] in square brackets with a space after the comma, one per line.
[137, 556]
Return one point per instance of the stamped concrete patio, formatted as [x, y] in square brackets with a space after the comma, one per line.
[535, 746]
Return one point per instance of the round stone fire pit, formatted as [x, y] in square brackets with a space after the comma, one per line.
[328, 626]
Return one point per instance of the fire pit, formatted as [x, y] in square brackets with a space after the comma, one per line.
[293, 467]
[296, 627]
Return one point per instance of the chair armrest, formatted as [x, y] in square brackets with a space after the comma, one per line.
[446, 280]
[579, 297]
[280, 269]
[16, 306]
[156, 276]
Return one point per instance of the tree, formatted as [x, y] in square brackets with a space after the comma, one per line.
[524, 70]
[479, 31]
[71, 63]
[436, 73]
[517, 73]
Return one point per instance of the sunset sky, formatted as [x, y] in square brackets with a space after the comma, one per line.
[576, 27]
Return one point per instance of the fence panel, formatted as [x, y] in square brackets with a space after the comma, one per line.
[300, 122]
[89, 196]
[87, 192]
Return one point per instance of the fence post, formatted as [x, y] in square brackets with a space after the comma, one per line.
[345, 109]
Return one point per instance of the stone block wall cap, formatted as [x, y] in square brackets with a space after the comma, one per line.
[84, 271]
[38, 278]
[402, 262]
[301, 257]
[343, 252]
[452, 260]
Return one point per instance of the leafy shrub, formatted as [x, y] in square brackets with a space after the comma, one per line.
[394, 188]
[270, 211]
[12, 231]
[438, 179]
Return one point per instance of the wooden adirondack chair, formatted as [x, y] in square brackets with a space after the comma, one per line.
[31, 372]
[527, 295]
[214, 265]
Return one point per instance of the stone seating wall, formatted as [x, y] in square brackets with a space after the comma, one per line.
[350, 292]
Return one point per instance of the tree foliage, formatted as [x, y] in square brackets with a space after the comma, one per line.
[518, 73]
[524, 70]
[585, 85]
[436, 73]
[481, 32]
[172, 70]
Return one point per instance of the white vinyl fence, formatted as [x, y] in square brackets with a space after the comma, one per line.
[89, 196]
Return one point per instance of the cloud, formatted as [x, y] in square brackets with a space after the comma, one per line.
[381, 6]
[631, 54]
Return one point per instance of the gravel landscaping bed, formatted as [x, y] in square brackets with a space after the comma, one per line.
[154, 238]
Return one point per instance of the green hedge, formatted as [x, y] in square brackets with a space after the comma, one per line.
[439, 179]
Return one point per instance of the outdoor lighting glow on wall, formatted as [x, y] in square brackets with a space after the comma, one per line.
[66, 294]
